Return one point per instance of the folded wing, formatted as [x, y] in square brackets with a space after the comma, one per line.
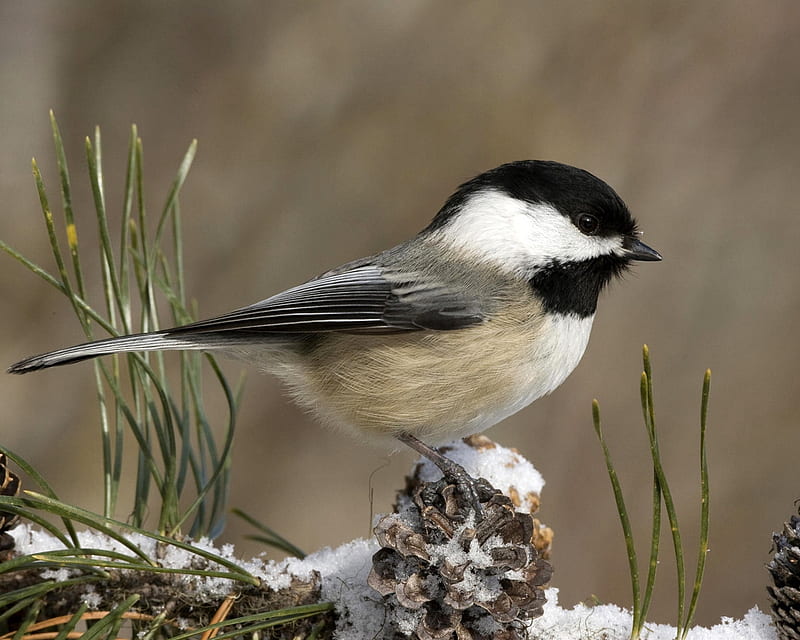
[361, 299]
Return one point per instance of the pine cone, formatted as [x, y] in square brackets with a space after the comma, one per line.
[9, 486]
[446, 574]
[522, 499]
[785, 570]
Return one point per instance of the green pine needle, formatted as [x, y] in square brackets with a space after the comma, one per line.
[270, 538]
[183, 459]
[661, 495]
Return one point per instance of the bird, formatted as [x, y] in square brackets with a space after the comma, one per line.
[484, 311]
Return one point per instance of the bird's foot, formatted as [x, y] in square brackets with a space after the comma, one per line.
[466, 489]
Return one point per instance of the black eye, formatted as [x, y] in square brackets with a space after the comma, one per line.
[588, 224]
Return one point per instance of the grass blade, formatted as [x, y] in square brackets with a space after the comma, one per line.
[624, 518]
[702, 551]
[262, 620]
[669, 503]
[108, 625]
[645, 391]
[66, 201]
[271, 538]
[34, 475]
[112, 456]
[111, 528]
[70, 625]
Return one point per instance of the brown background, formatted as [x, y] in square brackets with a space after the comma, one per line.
[331, 130]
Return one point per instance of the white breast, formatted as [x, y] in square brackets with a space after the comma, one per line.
[543, 366]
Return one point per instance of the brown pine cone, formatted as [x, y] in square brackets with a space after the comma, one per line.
[784, 568]
[447, 573]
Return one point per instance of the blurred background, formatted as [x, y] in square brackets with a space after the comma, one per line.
[331, 130]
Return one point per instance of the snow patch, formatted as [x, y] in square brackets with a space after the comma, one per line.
[344, 571]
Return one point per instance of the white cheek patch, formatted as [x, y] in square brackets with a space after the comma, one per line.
[518, 236]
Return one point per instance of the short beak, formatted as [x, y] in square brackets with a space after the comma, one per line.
[635, 249]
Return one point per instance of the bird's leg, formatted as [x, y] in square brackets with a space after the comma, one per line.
[452, 471]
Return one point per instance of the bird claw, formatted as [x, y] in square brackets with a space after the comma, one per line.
[466, 490]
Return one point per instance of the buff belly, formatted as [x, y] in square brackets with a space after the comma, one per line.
[435, 385]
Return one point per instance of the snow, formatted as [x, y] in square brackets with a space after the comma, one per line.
[92, 599]
[504, 468]
[344, 571]
[612, 622]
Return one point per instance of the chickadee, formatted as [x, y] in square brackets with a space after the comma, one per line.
[484, 311]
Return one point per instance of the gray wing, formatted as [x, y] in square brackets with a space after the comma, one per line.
[360, 299]
[357, 298]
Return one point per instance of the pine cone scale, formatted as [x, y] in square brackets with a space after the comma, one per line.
[785, 571]
[467, 576]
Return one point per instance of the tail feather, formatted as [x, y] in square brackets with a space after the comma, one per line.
[160, 341]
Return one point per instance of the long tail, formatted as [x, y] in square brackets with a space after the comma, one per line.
[159, 341]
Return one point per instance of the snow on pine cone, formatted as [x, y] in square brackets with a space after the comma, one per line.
[785, 570]
[446, 573]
